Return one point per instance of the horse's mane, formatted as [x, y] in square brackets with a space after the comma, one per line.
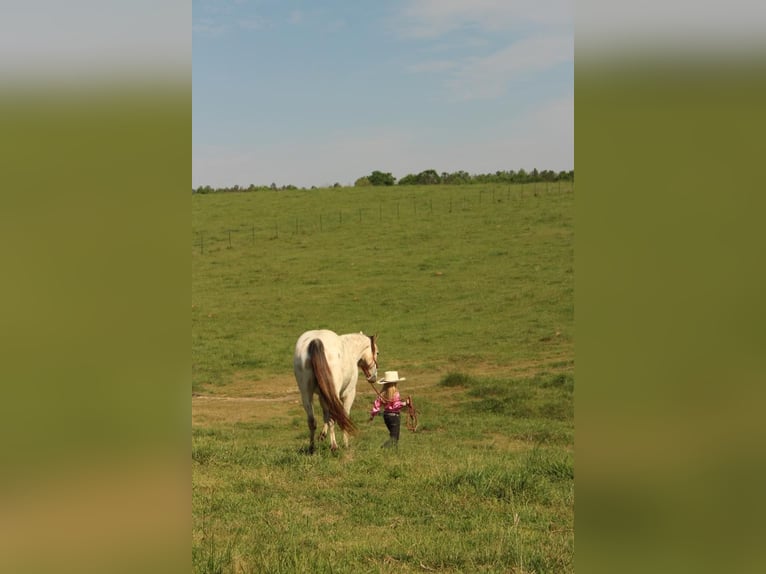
[326, 387]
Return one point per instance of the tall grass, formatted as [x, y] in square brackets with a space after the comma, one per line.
[466, 289]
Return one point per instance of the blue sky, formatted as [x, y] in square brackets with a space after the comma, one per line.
[313, 93]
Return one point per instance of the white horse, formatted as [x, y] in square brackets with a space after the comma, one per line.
[328, 363]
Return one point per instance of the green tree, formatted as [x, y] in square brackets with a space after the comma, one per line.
[381, 178]
[363, 181]
[429, 177]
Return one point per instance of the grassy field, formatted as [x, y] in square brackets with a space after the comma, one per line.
[470, 289]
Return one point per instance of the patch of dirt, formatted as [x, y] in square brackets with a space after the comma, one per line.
[248, 399]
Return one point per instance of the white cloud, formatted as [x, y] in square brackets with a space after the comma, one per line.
[208, 27]
[433, 66]
[431, 18]
[541, 32]
[335, 26]
[489, 76]
[254, 24]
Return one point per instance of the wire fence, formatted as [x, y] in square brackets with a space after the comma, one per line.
[393, 210]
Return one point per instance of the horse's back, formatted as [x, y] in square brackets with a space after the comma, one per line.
[324, 335]
[329, 339]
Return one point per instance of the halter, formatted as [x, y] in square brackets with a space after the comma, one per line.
[367, 369]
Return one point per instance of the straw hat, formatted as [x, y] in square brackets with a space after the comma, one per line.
[391, 377]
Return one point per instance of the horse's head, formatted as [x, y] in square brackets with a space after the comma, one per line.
[369, 360]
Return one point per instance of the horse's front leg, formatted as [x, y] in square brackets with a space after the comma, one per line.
[345, 439]
[348, 401]
[312, 432]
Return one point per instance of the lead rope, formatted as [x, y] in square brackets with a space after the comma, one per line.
[412, 415]
[383, 399]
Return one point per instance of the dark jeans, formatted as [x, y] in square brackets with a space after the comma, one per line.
[392, 424]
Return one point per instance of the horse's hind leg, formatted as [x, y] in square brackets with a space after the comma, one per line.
[326, 416]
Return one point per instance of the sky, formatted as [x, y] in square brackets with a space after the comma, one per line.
[315, 93]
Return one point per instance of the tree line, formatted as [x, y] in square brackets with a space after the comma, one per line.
[426, 177]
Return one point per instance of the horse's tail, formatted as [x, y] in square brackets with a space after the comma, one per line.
[324, 380]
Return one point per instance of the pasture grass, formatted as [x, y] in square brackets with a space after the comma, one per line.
[470, 291]
[446, 275]
[471, 491]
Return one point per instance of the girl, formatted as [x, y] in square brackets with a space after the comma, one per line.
[389, 399]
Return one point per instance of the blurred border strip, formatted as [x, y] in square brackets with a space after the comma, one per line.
[95, 116]
[669, 287]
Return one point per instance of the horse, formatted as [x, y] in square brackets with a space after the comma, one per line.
[328, 364]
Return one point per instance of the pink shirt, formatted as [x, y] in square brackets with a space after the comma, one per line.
[392, 406]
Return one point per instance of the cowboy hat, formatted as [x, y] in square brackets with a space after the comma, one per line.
[390, 377]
